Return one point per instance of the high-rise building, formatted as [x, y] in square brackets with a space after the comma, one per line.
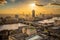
[33, 13]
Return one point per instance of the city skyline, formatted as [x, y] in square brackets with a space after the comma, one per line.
[20, 6]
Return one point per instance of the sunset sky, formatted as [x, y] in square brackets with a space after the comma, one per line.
[24, 6]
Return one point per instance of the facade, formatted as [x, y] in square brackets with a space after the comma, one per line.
[4, 35]
[34, 37]
[20, 36]
[29, 31]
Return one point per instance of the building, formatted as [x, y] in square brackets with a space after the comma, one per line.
[34, 37]
[29, 30]
[4, 35]
[17, 17]
[33, 13]
[19, 36]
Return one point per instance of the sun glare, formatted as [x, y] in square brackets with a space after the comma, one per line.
[32, 5]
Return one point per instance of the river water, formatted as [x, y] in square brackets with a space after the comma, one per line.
[11, 26]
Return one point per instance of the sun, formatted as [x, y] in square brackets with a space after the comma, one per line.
[32, 5]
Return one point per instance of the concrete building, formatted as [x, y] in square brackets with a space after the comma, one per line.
[4, 35]
[29, 30]
[20, 36]
[34, 37]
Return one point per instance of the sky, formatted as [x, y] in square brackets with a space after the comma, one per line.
[23, 6]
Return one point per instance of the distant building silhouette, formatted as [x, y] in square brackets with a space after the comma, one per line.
[33, 13]
[16, 16]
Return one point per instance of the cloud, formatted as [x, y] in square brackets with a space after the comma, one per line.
[55, 2]
[43, 2]
[46, 2]
[3, 2]
[12, 1]
[58, 1]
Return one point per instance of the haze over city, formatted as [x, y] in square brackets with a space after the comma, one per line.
[24, 6]
[29, 19]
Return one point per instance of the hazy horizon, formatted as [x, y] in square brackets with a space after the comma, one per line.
[25, 6]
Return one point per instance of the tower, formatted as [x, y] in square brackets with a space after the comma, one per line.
[33, 13]
[17, 17]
